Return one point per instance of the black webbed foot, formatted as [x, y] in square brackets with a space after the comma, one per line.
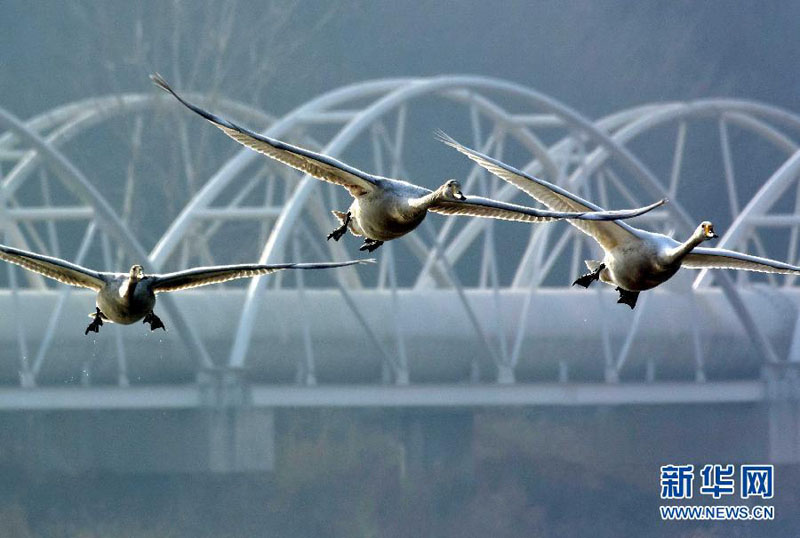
[627, 297]
[588, 278]
[96, 323]
[339, 232]
[336, 234]
[370, 245]
[154, 321]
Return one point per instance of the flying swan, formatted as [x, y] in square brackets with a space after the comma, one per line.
[384, 208]
[635, 260]
[128, 297]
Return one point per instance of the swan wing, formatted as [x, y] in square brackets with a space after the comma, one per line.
[607, 234]
[717, 258]
[55, 268]
[203, 276]
[314, 164]
[477, 206]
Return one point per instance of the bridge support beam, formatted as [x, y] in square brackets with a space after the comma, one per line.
[783, 410]
[241, 438]
[435, 439]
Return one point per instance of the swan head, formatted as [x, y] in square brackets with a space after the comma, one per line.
[137, 273]
[706, 231]
[451, 190]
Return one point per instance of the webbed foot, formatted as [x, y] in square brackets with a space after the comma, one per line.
[590, 277]
[154, 321]
[96, 323]
[627, 297]
[339, 232]
[370, 245]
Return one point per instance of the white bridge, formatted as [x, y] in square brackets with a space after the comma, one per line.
[460, 313]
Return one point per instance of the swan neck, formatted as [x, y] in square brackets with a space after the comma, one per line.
[424, 202]
[128, 287]
[682, 250]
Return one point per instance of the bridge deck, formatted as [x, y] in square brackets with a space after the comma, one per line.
[480, 395]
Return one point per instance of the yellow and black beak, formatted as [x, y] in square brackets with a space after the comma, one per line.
[709, 230]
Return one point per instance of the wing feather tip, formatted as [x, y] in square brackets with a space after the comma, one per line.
[159, 81]
[441, 136]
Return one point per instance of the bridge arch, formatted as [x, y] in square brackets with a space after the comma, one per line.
[33, 150]
[383, 123]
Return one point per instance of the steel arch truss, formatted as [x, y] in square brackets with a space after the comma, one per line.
[600, 160]
[48, 205]
[630, 158]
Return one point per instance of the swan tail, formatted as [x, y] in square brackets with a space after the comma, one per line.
[341, 215]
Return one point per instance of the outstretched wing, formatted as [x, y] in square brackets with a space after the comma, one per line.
[476, 206]
[717, 258]
[608, 234]
[55, 268]
[203, 276]
[314, 164]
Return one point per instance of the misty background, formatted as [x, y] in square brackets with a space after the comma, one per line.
[595, 56]
[523, 472]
